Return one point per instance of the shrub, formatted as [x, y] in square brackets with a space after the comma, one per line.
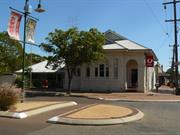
[9, 96]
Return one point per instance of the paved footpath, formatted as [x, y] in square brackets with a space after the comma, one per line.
[164, 94]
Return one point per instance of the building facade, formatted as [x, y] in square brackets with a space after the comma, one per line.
[40, 73]
[124, 68]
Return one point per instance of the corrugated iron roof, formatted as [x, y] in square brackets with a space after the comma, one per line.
[130, 45]
[113, 46]
[43, 68]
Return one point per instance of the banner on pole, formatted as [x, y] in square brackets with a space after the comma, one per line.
[14, 24]
[30, 30]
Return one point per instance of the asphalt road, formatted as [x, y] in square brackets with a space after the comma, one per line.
[160, 119]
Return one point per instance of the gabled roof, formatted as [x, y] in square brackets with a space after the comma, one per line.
[112, 36]
[130, 45]
[43, 68]
[113, 46]
[115, 41]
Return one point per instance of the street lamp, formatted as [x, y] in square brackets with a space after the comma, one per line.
[39, 8]
[26, 13]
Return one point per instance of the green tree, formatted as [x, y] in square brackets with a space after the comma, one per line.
[170, 74]
[10, 54]
[74, 47]
[33, 58]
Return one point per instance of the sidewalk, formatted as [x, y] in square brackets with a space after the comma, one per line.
[164, 94]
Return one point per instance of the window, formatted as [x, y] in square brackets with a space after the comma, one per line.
[116, 68]
[88, 72]
[96, 71]
[101, 70]
[107, 71]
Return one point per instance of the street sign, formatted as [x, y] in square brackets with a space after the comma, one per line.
[149, 61]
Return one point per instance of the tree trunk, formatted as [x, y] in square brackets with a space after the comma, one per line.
[70, 75]
[68, 92]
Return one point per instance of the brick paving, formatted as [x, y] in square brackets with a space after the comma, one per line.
[164, 93]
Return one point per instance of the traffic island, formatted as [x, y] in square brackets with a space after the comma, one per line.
[99, 114]
[30, 108]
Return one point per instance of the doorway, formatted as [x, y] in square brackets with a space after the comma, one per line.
[132, 74]
[134, 77]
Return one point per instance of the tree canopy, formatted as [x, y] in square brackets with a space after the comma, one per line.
[32, 58]
[74, 47]
[11, 55]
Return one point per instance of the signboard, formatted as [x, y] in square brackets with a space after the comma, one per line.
[31, 25]
[149, 61]
[13, 26]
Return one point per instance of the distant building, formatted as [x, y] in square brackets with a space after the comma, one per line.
[125, 68]
[40, 73]
[7, 79]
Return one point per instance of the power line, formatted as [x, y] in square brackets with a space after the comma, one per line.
[155, 17]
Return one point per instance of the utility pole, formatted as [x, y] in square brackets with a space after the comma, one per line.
[172, 74]
[175, 48]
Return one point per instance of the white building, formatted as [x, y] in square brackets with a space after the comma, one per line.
[40, 72]
[123, 69]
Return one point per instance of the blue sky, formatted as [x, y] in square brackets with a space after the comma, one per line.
[139, 20]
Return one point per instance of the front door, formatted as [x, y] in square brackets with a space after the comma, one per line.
[134, 77]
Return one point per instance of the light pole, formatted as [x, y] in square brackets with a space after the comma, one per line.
[26, 13]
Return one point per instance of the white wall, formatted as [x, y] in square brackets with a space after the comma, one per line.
[150, 79]
[110, 83]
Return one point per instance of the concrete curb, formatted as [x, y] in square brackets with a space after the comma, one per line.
[17, 115]
[60, 119]
[129, 100]
[21, 115]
